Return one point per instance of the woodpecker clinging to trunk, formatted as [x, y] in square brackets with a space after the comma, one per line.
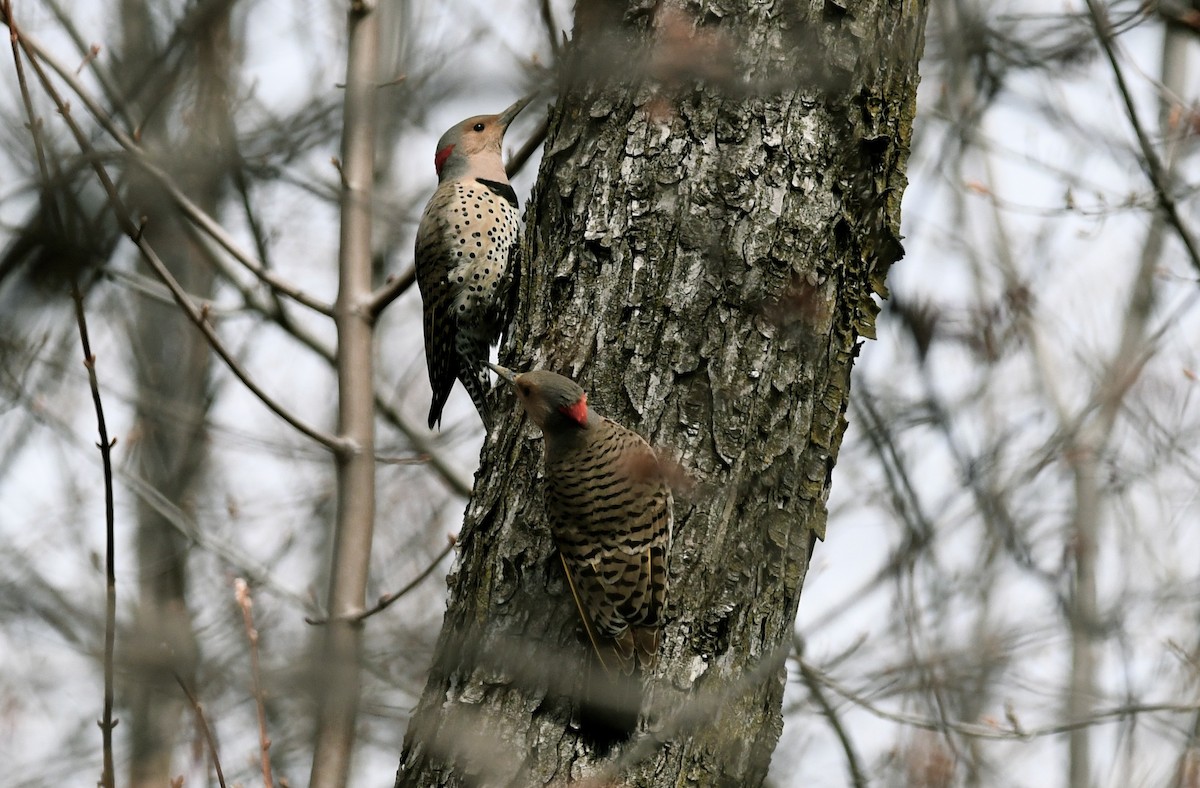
[610, 512]
[464, 242]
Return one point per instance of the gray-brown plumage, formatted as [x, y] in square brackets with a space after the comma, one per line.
[610, 512]
[464, 244]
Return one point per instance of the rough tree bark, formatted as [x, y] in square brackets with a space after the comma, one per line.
[706, 243]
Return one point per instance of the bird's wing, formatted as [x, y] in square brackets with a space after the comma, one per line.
[441, 328]
[611, 517]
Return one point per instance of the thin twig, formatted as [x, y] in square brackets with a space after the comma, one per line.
[261, 245]
[857, 777]
[552, 29]
[994, 731]
[198, 315]
[389, 459]
[197, 216]
[392, 289]
[521, 157]
[35, 123]
[417, 435]
[386, 600]
[189, 209]
[107, 723]
[102, 75]
[209, 736]
[1154, 166]
[151, 288]
[241, 592]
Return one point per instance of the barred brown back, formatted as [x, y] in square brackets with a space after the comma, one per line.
[610, 512]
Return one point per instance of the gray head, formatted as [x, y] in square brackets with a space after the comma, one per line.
[475, 143]
[553, 402]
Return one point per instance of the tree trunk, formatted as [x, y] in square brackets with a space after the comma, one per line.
[172, 367]
[705, 246]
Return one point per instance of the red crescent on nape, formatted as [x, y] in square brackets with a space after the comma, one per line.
[578, 412]
[439, 160]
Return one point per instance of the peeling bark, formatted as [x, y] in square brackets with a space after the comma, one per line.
[707, 242]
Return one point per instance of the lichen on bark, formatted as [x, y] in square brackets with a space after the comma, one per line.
[705, 248]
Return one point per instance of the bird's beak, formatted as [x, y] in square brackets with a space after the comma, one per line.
[507, 374]
[510, 114]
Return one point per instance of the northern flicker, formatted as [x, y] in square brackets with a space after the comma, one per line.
[464, 242]
[610, 513]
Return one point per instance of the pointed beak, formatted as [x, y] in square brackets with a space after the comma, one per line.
[507, 374]
[507, 116]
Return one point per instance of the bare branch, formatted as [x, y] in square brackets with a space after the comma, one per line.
[209, 737]
[354, 528]
[1155, 170]
[857, 777]
[391, 290]
[186, 206]
[241, 591]
[416, 434]
[386, 600]
[106, 723]
[552, 29]
[108, 777]
[521, 157]
[993, 731]
[196, 314]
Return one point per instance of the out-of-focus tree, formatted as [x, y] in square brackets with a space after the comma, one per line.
[1020, 436]
[224, 215]
[1007, 590]
[170, 358]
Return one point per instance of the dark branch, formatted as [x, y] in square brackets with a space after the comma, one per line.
[1154, 166]
[386, 600]
[209, 737]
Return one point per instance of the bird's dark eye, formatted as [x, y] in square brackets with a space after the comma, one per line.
[478, 127]
[524, 389]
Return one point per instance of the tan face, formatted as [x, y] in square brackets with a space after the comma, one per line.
[480, 133]
[532, 399]
[549, 399]
[544, 394]
[479, 138]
